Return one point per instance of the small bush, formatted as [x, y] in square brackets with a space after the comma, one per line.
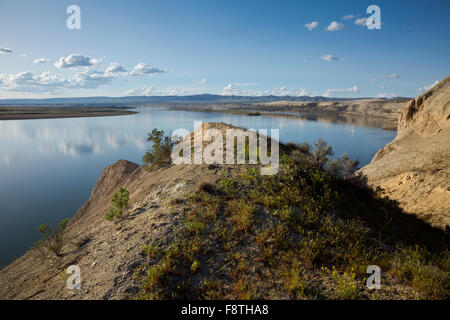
[160, 154]
[120, 201]
[195, 267]
[294, 283]
[345, 283]
[321, 152]
[413, 265]
[241, 214]
[53, 236]
[343, 168]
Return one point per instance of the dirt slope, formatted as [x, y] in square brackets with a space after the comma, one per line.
[414, 168]
[106, 252]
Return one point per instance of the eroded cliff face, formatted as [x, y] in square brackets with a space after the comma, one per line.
[414, 168]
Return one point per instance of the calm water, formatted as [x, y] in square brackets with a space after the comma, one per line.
[48, 167]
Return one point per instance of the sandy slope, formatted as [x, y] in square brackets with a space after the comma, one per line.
[414, 169]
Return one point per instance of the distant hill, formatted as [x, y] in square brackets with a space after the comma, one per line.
[161, 99]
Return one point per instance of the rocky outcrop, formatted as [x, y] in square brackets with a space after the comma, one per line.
[414, 169]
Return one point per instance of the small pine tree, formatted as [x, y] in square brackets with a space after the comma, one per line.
[53, 236]
[120, 201]
[160, 154]
[321, 152]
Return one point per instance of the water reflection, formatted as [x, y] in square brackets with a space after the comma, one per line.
[48, 167]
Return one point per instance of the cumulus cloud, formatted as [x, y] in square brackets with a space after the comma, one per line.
[426, 88]
[361, 21]
[5, 50]
[46, 82]
[311, 25]
[27, 81]
[348, 17]
[351, 90]
[41, 60]
[335, 26]
[75, 60]
[390, 76]
[143, 69]
[115, 67]
[90, 79]
[329, 58]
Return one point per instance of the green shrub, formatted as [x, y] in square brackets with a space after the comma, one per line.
[161, 151]
[120, 201]
[414, 265]
[53, 236]
[321, 152]
[195, 267]
[343, 168]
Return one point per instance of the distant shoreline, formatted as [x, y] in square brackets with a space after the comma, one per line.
[382, 121]
[27, 113]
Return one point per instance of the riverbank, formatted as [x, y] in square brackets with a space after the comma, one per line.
[21, 113]
[379, 113]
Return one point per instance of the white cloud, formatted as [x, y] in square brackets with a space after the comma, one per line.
[361, 21]
[235, 89]
[231, 89]
[426, 88]
[27, 81]
[143, 69]
[115, 67]
[351, 90]
[41, 60]
[348, 17]
[75, 60]
[390, 76]
[5, 50]
[145, 91]
[90, 79]
[385, 87]
[329, 57]
[386, 95]
[283, 91]
[335, 26]
[46, 82]
[311, 25]
[202, 81]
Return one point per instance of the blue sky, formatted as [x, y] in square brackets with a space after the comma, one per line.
[223, 47]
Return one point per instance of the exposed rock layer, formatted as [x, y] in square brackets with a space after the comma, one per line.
[414, 168]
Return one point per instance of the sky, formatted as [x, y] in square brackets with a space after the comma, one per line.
[244, 47]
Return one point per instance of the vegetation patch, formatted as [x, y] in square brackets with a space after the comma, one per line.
[309, 232]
